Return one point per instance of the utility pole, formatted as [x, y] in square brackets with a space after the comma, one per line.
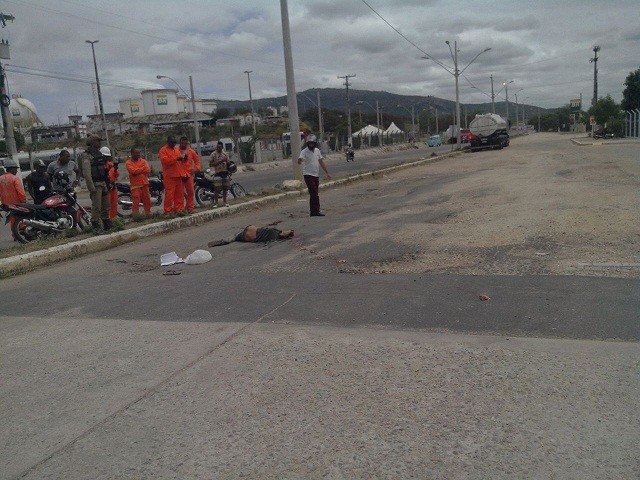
[292, 102]
[346, 83]
[594, 60]
[256, 143]
[95, 66]
[196, 129]
[320, 122]
[493, 97]
[7, 122]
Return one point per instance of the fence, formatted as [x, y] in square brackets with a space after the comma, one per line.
[632, 121]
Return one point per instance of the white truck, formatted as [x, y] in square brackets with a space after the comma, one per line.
[488, 131]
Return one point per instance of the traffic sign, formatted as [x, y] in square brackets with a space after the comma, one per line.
[592, 120]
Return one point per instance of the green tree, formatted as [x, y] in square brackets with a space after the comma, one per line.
[631, 93]
[604, 109]
[607, 112]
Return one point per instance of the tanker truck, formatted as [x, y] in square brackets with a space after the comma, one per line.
[488, 131]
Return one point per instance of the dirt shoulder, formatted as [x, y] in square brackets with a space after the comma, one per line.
[542, 206]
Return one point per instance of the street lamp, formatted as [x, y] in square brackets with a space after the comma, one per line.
[413, 123]
[95, 67]
[516, 95]
[196, 128]
[456, 73]
[506, 97]
[253, 119]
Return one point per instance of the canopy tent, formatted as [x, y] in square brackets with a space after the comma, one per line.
[392, 130]
[368, 130]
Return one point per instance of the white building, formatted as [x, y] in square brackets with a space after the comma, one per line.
[132, 107]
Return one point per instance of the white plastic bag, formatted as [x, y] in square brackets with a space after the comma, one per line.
[198, 257]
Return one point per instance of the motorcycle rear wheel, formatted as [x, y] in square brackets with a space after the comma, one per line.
[203, 196]
[25, 233]
[238, 190]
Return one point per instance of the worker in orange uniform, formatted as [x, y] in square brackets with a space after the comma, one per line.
[113, 174]
[139, 170]
[11, 188]
[172, 169]
[189, 167]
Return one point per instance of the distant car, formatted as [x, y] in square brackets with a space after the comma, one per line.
[434, 141]
[603, 134]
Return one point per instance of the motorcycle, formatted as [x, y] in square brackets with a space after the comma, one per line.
[57, 213]
[204, 188]
[156, 190]
[350, 155]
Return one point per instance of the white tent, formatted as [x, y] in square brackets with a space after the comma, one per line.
[393, 129]
[368, 130]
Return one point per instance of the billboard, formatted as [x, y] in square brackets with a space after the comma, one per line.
[575, 104]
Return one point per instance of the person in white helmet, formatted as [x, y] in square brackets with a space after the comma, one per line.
[113, 174]
[311, 160]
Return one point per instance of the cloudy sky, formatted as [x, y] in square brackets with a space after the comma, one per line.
[543, 46]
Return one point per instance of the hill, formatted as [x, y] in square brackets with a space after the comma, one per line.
[335, 99]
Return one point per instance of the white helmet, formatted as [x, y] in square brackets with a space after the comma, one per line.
[312, 138]
[105, 151]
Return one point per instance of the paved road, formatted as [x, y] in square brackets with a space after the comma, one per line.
[306, 359]
[257, 181]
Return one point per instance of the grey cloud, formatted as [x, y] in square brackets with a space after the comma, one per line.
[516, 24]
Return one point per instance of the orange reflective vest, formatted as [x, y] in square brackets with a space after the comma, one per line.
[138, 171]
[169, 158]
[11, 189]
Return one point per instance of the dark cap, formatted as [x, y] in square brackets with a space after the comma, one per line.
[93, 138]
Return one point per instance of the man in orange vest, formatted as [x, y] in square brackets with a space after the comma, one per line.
[189, 167]
[172, 169]
[139, 170]
[11, 188]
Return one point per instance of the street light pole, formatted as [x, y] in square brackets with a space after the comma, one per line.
[493, 97]
[196, 127]
[456, 73]
[253, 120]
[506, 97]
[95, 67]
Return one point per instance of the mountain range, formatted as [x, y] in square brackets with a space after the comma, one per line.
[335, 99]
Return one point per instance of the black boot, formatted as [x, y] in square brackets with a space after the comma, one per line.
[107, 225]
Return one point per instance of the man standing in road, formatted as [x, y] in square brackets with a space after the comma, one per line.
[219, 161]
[172, 161]
[94, 169]
[65, 164]
[189, 167]
[11, 189]
[313, 160]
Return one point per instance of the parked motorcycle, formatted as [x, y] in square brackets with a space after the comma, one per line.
[125, 204]
[57, 213]
[204, 190]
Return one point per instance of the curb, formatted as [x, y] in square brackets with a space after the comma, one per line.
[587, 142]
[26, 262]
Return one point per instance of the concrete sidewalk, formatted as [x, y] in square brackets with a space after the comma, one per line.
[125, 399]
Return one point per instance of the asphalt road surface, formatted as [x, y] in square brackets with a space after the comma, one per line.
[365, 347]
[256, 181]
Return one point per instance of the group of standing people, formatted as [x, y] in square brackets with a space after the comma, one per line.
[179, 164]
